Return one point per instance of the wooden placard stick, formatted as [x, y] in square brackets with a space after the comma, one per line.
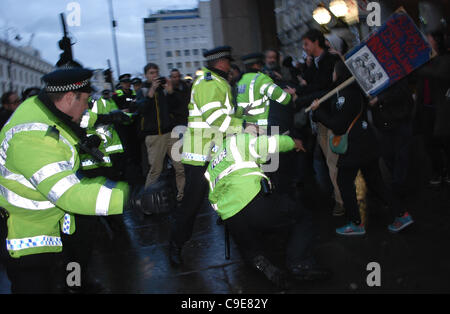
[335, 90]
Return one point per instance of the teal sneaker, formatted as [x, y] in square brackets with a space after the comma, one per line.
[401, 223]
[351, 230]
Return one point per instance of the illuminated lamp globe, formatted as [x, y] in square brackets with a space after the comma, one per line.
[338, 8]
[321, 15]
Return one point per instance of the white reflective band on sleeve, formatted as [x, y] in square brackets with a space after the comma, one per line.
[5, 173]
[211, 105]
[263, 88]
[104, 198]
[227, 104]
[19, 201]
[198, 125]
[251, 90]
[234, 150]
[262, 122]
[282, 97]
[272, 145]
[103, 131]
[259, 174]
[225, 124]
[17, 129]
[254, 112]
[252, 148]
[270, 90]
[29, 127]
[208, 177]
[243, 104]
[215, 115]
[66, 224]
[194, 157]
[85, 120]
[256, 173]
[233, 168]
[49, 170]
[61, 187]
[195, 113]
[95, 107]
[114, 148]
[90, 162]
[38, 241]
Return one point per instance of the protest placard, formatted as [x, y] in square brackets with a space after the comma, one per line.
[391, 52]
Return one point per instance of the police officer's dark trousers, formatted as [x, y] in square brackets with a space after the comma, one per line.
[34, 273]
[273, 213]
[195, 191]
[31, 273]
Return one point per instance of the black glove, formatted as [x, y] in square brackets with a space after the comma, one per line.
[90, 146]
[114, 117]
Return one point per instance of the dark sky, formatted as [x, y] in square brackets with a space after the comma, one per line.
[93, 37]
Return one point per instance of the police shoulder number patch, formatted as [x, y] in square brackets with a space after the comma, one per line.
[242, 88]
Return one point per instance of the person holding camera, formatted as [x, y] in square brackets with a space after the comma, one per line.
[156, 126]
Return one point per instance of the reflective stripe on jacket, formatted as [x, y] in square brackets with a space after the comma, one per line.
[234, 173]
[211, 115]
[40, 186]
[256, 89]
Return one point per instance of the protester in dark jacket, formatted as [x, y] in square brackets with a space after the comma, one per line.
[156, 126]
[348, 106]
[392, 113]
[433, 100]
[178, 111]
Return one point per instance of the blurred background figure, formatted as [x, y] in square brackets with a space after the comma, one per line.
[30, 92]
[434, 108]
[137, 85]
[178, 111]
[10, 102]
[233, 78]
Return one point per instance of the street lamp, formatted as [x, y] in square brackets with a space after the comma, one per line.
[338, 8]
[321, 15]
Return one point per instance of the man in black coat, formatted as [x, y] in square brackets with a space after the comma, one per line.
[316, 84]
[182, 94]
[320, 73]
[156, 126]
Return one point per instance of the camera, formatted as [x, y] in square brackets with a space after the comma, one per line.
[162, 80]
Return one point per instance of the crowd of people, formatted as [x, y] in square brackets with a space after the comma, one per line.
[215, 137]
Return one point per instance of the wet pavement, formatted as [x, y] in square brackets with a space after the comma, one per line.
[134, 259]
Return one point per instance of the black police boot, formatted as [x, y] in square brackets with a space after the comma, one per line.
[273, 273]
[310, 273]
[175, 254]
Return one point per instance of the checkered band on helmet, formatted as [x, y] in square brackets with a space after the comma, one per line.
[222, 54]
[252, 60]
[66, 88]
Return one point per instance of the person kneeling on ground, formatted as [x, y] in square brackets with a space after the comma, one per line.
[239, 192]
